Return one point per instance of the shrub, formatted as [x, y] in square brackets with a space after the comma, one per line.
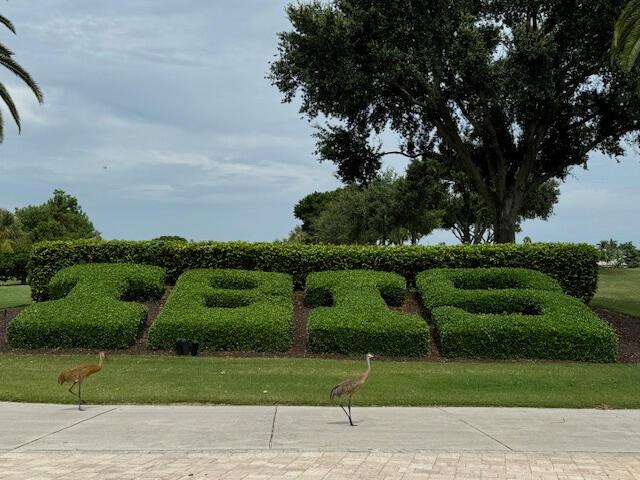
[478, 315]
[351, 315]
[91, 306]
[574, 266]
[228, 310]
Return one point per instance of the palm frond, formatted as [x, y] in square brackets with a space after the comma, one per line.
[4, 51]
[626, 37]
[1, 128]
[6, 97]
[7, 23]
[12, 65]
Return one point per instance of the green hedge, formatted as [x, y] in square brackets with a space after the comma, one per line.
[574, 266]
[228, 310]
[532, 319]
[91, 306]
[351, 315]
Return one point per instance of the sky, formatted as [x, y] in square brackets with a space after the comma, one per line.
[159, 119]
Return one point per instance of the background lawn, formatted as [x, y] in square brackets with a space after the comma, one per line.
[14, 296]
[619, 290]
[268, 381]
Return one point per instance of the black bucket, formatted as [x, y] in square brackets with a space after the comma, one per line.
[194, 348]
[182, 346]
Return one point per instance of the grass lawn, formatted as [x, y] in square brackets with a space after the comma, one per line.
[268, 381]
[14, 296]
[619, 290]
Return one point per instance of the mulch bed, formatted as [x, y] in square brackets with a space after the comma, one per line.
[628, 329]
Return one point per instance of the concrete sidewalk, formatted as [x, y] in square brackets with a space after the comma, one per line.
[37, 427]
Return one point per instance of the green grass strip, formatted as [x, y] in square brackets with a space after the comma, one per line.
[283, 381]
[15, 296]
[619, 290]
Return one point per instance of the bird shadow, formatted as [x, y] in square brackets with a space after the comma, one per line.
[344, 423]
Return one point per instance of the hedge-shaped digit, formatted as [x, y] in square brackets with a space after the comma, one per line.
[92, 306]
[512, 313]
[226, 310]
[351, 315]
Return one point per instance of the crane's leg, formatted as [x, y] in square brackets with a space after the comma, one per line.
[345, 412]
[350, 419]
[71, 389]
[80, 396]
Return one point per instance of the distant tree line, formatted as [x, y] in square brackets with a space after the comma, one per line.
[59, 218]
[394, 210]
[617, 254]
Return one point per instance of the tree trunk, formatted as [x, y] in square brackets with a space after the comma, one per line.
[505, 223]
[505, 232]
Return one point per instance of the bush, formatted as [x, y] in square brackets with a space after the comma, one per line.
[91, 306]
[574, 266]
[351, 315]
[228, 310]
[478, 315]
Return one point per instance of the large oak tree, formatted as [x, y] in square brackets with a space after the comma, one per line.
[512, 93]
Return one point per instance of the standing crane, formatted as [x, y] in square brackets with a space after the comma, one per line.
[349, 387]
[78, 374]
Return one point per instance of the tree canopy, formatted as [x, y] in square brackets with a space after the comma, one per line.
[388, 210]
[511, 93]
[60, 218]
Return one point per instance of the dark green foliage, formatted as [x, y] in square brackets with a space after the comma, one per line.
[574, 266]
[308, 209]
[389, 210]
[14, 265]
[170, 238]
[91, 306]
[352, 315]
[60, 218]
[512, 313]
[228, 310]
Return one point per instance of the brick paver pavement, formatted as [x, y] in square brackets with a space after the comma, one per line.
[264, 465]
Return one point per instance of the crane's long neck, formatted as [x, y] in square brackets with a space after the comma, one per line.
[100, 362]
[368, 370]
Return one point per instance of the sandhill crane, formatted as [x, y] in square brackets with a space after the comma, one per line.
[349, 387]
[78, 374]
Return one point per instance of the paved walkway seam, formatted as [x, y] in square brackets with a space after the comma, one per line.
[477, 429]
[61, 429]
[273, 427]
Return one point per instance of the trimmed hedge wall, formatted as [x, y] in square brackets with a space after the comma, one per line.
[351, 315]
[91, 306]
[228, 310]
[532, 319]
[574, 266]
